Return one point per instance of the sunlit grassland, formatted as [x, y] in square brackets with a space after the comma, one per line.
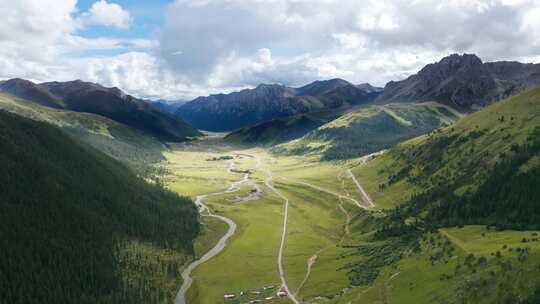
[192, 173]
[316, 228]
[322, 174]
[479, 240]
[250, 259]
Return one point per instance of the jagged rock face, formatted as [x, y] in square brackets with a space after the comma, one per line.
[463, 81]
[249, 107]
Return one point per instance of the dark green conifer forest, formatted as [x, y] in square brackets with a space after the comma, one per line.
[69, 215]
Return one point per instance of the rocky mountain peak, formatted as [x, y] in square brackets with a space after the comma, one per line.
[451, 64]
[463, 81]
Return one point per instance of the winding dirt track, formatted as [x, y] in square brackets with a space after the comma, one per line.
[186, 274]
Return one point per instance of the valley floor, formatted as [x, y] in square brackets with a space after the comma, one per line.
[294, 224]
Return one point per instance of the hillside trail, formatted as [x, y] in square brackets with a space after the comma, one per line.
[204, 210]
[365, 196]
[339, 195]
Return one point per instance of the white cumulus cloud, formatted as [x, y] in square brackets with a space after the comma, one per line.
[223, 45]
[107, 14]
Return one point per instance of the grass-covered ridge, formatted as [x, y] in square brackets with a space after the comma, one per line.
[281, 130]
[370, 129]
[77, 225]
[114, 139]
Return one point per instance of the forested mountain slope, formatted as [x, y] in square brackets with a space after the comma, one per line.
[78, 226]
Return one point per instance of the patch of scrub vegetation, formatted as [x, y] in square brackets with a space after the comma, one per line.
[454, 265]
[114, 139]
[79, 225]
[369, 130]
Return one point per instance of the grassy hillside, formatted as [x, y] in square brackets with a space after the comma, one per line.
[110, 137]
[280, 130]
[112, 103]
[78, 226]
[461, 213]
[369, 130]
[132, 112]
[471, 148]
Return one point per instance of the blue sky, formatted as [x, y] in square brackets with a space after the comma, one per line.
[148, 18]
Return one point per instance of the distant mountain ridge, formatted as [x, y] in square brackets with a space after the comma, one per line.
[464, 82]
[369, 88]
[222, 112]
[168, 105]
[112, 103]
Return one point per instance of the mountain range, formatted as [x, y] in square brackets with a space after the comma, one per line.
[224, 112]
[279, 113]
[463, 82]
[457, 82]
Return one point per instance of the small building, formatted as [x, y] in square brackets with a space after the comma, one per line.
[281, 293]
[229, 296]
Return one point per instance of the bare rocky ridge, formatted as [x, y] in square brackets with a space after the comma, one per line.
[464, 82]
